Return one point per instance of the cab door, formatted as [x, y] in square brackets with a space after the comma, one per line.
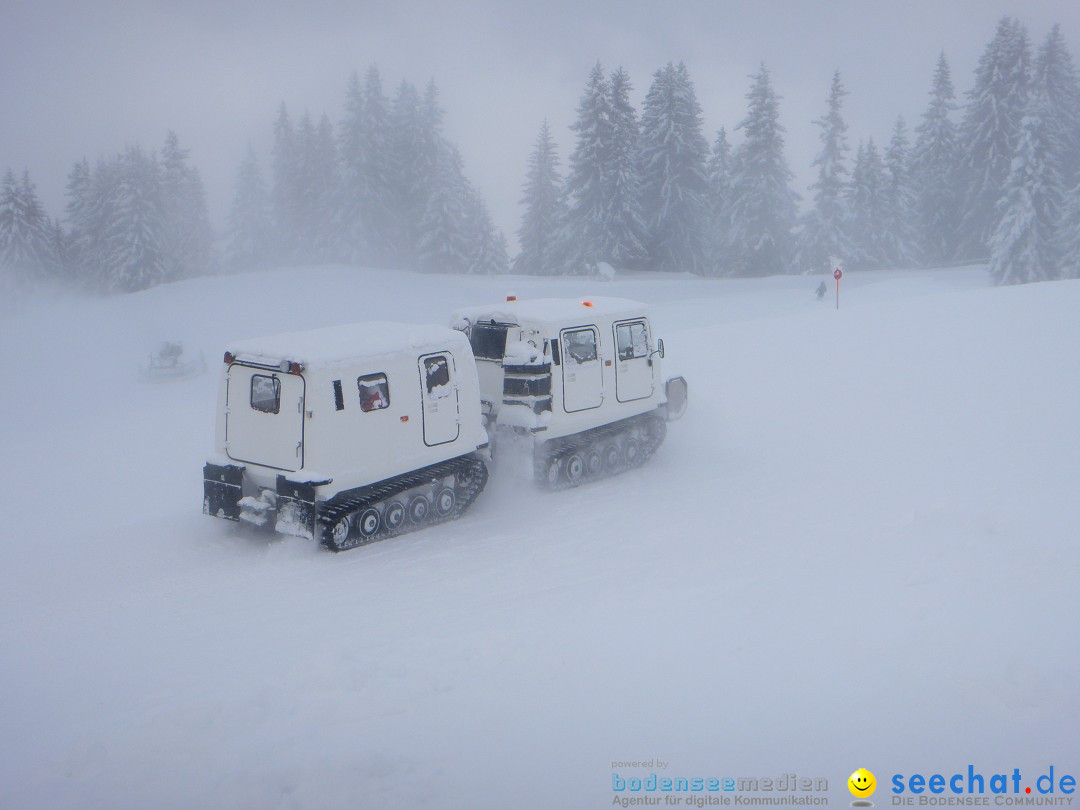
[264, 418]
[633, 364]
[439, 391]
[583, 374]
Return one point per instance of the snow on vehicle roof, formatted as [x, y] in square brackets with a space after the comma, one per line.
[553, 310]
[336, 344]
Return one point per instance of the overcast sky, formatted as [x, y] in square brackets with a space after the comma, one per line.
[86, 78]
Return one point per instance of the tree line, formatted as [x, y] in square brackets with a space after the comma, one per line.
[993, 179]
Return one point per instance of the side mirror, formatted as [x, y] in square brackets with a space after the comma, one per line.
[660, 347]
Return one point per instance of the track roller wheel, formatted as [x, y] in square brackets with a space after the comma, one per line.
[553, 471]
[632, 451]
[594, 461]
[418, 509]
[445, 501]
[612, 456]
[339, 534]
[368, 523]
[574, 469]
[394, 515]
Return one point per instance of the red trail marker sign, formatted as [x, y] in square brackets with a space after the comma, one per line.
[838, 274]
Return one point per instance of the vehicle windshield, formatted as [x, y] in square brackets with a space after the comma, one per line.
[488, 340]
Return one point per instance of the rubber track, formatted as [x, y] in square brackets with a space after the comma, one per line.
[638, 426]
[470, 475]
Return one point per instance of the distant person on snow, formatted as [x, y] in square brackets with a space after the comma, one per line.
[821, 290]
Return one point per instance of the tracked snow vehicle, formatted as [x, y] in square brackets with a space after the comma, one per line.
[581, 379]
[348, 434]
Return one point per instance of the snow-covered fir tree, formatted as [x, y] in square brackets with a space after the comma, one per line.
[824, 235]
[763, 206]
[78, 214]
[1068, 235]
[674, 182]
[585, 237]
[415, 127]
[1056, 81]
[1023, 245]
[901, 206]
[101, 205]
[312, 188]
[444, 244]
[250, 232]
[545, 210]
[27, 250]
[487, 252]
[990, 131]
[934, 171]
[133, 242]
[187, 238]
[61, 250]
[625, 225]
[286, 185]
[717, 228]
[868, 202]
[354, 191]
[365, 212]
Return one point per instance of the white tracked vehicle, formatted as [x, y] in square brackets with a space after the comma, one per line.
[348, 434]
[582, 379]
[351, 434]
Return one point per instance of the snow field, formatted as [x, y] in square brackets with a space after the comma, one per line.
[857, 548]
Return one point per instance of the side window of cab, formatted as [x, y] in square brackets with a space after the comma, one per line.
[374, 392]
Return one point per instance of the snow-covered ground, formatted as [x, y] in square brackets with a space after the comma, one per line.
[858, 548]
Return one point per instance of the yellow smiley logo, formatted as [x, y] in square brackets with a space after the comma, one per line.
[862, 783]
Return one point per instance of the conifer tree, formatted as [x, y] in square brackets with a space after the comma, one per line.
[674, 183]
[250, 228]
[901, 215]
[133, 241]
[80, 221]
[443, 243]
[1023, 245]
[187, 238]
[717, 228]
[321, 193]
[27, 251]
[934, 171]
[1057, 82]
[990, 131]
[545, 210]
[763, 206]
[366, 221]
[584, 236]
[624, 223]
[868, 201]
[823, 237]
[487, 253]
[1068, 235]
[286, 182]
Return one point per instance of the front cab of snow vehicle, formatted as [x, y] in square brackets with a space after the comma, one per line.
[347, 434]
[580, 379]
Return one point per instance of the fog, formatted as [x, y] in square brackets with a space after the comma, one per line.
[84, 80]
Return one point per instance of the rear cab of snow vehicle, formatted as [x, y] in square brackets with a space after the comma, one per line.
[582, 377]
[347, 434]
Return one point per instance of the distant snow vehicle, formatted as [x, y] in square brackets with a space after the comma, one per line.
[582, 379]
[170, 362]
[348, 434]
